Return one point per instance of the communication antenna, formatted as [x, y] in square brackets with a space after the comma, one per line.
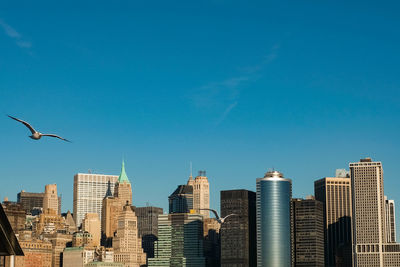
[191, 169]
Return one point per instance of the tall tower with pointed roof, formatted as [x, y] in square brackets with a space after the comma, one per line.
[123, 188]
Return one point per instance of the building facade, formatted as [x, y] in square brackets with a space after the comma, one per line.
[123, 188]
[390, 221]
[91, 224]
[307, 233]
[201, 193]
[37, 253]
[29, 201]
[148, 227]
[180, 241]
[273, 197]
[238, 233]
[368, 221]
[335, 194]
[181, 200]
[127, 243]
[15, 214]
[89, 192]
[50, 198]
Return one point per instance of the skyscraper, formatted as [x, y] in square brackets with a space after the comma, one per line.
[148, 227]
[50, 198]
[123, 188]
[180, 241]
[201, 193]
[110, 211]
[368, 221]
[307, 233]
[89, 191]
[273, 220]
[390, 221]
[181, 200]
[335, 194]
[238, 233]
[127, 244]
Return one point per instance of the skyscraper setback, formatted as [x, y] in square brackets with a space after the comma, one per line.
[89, 191]
[370, 248]
[274, 193]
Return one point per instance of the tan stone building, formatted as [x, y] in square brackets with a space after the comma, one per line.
[127, 244]
[48, 222]
[50, 198]
[370, 248]
[58, 242]
[123, 189]
[201, 193]
[91, 223]
[113, 204]
[111, 209]
[335, 194]
[82, 239]
[37, 254]
[77, 256]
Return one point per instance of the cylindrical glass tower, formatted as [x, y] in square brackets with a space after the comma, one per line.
[273, 220]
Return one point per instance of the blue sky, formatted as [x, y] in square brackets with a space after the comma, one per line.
[236, 87]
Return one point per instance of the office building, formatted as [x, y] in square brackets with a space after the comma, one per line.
[335, 194]
[274, 193]
[110, 211]
[89, 192]
[238, 233]
[370, 248]
[148, 227]
[50, 198]
[127, 244]
[201, 193]
[31, 201]
[181, 200]
[180, 241]
[123, 188]
[59, 242]
[91, 224]
[307, 233]
[390, 221]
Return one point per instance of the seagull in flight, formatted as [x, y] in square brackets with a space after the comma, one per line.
[35, 134]
[219, 219]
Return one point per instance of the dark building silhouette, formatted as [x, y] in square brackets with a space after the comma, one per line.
[148, 227]
[181, 200]
[238, 233]
[307, 230]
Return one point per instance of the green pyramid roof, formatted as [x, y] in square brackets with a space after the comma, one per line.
[123, 177]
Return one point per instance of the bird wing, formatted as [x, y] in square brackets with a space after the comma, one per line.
[56, 136]
[213, 211]
[25, 123]
[229, 216]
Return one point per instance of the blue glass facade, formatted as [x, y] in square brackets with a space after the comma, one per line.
[273, 220]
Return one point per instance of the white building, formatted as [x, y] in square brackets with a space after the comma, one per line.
[89, 191]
